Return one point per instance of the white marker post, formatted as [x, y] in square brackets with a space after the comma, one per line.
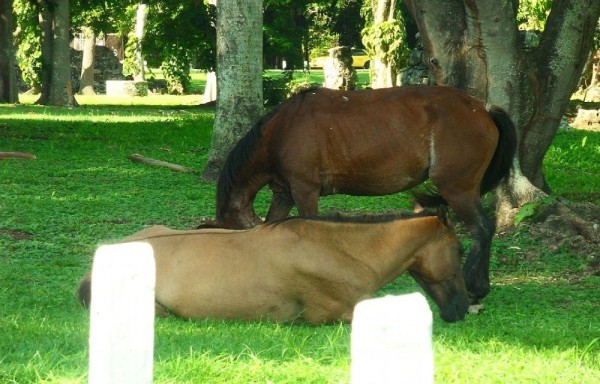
[391, 341]
[122, 314]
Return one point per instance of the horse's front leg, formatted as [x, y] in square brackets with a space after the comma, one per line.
[306, 197]
[281, 205]
[476, 269]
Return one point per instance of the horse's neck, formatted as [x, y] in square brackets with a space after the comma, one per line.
[381, 244]
[396, 247]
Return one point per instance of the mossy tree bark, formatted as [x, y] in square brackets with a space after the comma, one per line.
[239, 77]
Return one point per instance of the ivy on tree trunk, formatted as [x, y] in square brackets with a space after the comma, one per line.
[385, 40]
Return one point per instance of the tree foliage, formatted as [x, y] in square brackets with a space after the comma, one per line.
[532, 14]
[29, 54]
[180, 34]
[387, 41]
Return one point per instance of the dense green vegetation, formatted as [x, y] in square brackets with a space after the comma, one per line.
[541, 319]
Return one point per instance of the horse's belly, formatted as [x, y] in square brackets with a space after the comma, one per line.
[371, 184]
[224, 293]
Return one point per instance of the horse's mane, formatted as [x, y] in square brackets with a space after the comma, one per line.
[370, 218]
[243, 151]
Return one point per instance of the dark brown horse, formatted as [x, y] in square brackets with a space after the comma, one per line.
[311, 270]
[374, 142]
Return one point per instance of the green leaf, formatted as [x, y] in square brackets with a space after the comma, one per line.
[525, 211]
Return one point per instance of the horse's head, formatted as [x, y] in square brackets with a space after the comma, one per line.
[233, 217]
[438, 271]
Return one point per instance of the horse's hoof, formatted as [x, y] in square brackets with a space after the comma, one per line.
[475, 309]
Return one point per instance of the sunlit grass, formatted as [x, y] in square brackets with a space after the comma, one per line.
[539, 324]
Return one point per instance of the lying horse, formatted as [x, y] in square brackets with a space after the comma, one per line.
[374, 142]
[312, 270]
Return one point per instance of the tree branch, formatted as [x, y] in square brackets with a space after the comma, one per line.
[16, 155]
[158, 163]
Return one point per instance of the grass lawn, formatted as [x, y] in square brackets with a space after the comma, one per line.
[541, 323]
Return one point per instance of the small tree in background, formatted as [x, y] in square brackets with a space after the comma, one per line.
[8, 78]
[384, 38]
[56, 58]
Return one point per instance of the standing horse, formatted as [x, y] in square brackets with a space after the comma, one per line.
[311, 270]
[374, 142]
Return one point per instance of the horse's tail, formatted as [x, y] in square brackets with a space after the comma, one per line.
[499, 167]
[84, 292]
[502, 161]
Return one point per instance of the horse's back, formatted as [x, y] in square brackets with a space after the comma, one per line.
[370, 142]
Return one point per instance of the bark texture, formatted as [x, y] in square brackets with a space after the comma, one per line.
[86, 85]
[383, 73]
[476, 46]
[56, 70]
[239, 77]
[8, 75]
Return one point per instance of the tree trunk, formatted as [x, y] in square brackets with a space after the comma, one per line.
[239, 77]
[592, 90]
[86, 85]
[383, 74]
[338, 71]
[476, 46]
[8, 75]
[46, 45]
[140, 28]
[56, 56]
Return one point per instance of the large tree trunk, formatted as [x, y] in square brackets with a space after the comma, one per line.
[56, 56]
[383, 74]
[8, 75]
[86, 85]
[239, 77]
[476, 46]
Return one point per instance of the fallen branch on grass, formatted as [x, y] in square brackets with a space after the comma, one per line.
[16, 155]
[158, 163]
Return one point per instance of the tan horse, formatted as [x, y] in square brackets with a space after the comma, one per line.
[313, 270]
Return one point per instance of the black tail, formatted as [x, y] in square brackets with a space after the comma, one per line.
[85, 290]
[499, 167]
[502, 162]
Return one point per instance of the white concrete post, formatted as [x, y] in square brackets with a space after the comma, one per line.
[391, 341]
[210, 90]
[122, 314]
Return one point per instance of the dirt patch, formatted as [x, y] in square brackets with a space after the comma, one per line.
[16, 235]
[571, 227]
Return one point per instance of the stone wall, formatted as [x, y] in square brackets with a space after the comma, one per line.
[106, 67]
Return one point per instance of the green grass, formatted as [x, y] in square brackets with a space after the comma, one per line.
[540, 324]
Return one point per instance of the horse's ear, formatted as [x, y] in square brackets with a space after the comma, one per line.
[444, 216]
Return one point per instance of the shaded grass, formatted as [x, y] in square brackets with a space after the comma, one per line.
[539, 325]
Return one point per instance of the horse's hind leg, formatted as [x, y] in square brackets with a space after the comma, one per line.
[476, 269]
